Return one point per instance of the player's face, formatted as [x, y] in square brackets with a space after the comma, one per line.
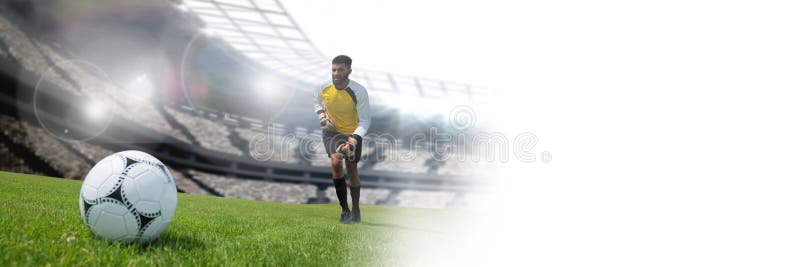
[340, 74]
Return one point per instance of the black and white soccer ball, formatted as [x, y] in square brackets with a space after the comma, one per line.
[128, 196]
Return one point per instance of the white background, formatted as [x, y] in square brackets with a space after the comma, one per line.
[673, 124]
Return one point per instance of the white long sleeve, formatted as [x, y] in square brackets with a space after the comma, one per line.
[318, 105]
[362, 107]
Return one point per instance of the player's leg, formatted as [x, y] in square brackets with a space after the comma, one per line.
[332, 141]
[355, 180]
[355, 188]
[339, 182]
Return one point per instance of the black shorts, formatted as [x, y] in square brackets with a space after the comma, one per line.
[334, 140]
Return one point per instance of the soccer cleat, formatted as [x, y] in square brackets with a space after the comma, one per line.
[346, 217]
[356, 216]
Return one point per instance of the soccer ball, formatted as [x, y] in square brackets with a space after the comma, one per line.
[128, 196]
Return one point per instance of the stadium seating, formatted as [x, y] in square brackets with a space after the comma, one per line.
[273, 147]
[211, 134]
[94, 153]
[185, 184]
[11, 162]
[73, 159]
[75, 76]
[45, 146]
[466, 165]
[122, 101]
[456, 167]
[146, 115]
[25, 51]
[404, 160]
[257, 189]
[321, 160]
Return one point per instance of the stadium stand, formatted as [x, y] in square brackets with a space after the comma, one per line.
[432, 164]
[404, 160]
[94, 153]
[146, 115]
[465, 164]
[42, 59]
[321, 160]
[199, 145]
[26, 53]
[211, 135]
[455, 167]
[46, 147]
[272, 146]
[257, 189]
[13, 162]
[185, 184]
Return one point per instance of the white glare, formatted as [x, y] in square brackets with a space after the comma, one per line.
[95, 110]
[141, 87]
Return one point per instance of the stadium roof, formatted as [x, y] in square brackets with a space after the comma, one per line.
[265, 32]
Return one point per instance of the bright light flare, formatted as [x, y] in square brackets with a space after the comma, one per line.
[96, 110]
[269, 88]
[141, 87]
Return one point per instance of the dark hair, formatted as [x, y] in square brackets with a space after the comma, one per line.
[342, 59]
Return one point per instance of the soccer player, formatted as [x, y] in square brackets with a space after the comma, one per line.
[342, 106]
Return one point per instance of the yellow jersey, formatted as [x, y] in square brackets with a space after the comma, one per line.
[348, 108]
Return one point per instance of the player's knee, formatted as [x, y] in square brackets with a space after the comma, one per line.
[336, 163]
[337, 172]
[352, 172]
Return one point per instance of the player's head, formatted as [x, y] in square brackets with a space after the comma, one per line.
[340, 70]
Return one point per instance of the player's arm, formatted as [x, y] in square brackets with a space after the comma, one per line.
[325, 122]
[319, 107]
[364, 117]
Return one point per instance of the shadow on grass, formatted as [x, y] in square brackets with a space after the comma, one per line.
[399, 227]
[173, 242]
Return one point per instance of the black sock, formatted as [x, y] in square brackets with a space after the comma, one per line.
[355, 192]
[341, 192]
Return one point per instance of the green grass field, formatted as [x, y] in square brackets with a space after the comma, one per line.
[40, 224]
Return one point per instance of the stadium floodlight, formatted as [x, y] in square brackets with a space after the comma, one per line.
[141, 87]
[268, 87]
[95, 110]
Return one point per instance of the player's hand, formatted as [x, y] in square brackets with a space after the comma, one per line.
[352, 140]
[326, 124]
[347, 149]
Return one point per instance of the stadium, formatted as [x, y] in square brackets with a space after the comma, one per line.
[184, 133]
[204, 127]
[219, 91]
